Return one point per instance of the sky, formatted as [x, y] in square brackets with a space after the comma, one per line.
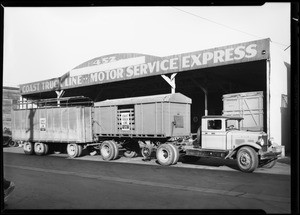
[43, 42]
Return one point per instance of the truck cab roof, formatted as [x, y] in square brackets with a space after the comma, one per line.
[223, 117]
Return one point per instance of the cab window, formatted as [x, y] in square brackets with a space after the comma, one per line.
[214, 124]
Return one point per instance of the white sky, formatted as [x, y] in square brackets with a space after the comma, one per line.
[43, 43]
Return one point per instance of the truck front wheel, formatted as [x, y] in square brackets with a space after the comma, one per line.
[247, 159]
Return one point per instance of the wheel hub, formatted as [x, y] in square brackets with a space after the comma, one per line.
[245, 159]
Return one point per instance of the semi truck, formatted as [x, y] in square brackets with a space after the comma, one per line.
[158, 124]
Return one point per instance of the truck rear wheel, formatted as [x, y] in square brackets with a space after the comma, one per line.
[109, 150]
[73, 150]
[247, 159]
[28, 148]
[39, 148]
[176, 154]
[165, 154]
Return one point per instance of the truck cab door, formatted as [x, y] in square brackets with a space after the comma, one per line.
[213, 134]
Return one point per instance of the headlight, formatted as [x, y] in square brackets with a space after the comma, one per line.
[260, 141]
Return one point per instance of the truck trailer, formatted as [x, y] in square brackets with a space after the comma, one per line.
[158, 124]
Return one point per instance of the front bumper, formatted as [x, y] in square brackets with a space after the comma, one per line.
[273, 152]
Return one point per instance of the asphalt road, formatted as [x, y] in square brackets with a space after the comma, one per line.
[57, 182]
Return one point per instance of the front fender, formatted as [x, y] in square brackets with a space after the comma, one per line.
[251, 144]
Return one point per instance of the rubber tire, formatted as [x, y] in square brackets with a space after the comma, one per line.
[79, 150]
[11, 143]
[150, 152]
[39, 148]
[190, 159]
[130, 154]
[165, 149]
[253, 159]
[109, 154]
[46, 148]
[270, 165]
[176, 154]
[72, 153]
[28, 148]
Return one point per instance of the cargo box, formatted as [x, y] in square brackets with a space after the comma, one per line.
[55, 124]
[158, 116]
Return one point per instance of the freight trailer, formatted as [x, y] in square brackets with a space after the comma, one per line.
[157, 124]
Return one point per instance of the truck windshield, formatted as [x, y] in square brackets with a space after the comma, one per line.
[232, 124]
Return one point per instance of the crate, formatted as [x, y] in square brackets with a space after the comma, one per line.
[248, 105]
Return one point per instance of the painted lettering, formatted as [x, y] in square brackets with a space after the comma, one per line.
[163, 66]
[219, 56]
[239, 52]
[229, 54]
[207, 56]
[174, 63]
[186, 61]
[251, 51]
[196, 60]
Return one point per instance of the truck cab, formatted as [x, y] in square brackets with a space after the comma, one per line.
[222, 137]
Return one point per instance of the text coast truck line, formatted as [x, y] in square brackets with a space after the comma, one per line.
[157, 124]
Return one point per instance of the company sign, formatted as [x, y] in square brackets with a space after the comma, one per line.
[151, 65]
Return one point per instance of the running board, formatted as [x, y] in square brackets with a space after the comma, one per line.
[207, 153]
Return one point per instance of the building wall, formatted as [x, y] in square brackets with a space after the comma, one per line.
[10, 96]
[278, 116]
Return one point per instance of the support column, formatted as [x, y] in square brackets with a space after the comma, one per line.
[205, 94]
[170, 81]
[59, 95]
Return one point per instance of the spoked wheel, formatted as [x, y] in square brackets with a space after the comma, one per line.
[39, 148]
[130, 154]
[166, 154]
[109, 150]
[28, 148]
[146, 152]
[74, 150]
[247, 159]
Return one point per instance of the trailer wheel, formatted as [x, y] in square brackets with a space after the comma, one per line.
[28, 148]
[11, 143]
[176, 154]
[39, 148]
[46, 148]
[72, 150]
[130, 154]
[165, 154]
[79, 150]
[109, 150]
[247, 159]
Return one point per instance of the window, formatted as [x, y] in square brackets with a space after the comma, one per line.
[214, 124]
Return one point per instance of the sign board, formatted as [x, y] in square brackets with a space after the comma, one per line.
[43, 124]
[109, 69]
[125, 121]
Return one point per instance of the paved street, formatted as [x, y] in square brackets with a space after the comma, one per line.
[57, 182]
